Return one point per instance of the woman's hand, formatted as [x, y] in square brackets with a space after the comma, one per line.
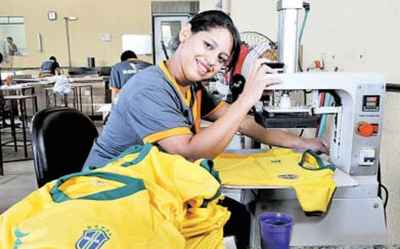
[256, 82]
[314, 144]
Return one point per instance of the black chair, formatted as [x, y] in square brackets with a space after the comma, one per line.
[81, 71]
[61, 140]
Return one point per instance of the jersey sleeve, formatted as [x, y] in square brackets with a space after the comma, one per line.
[115, 79]
[156, 114]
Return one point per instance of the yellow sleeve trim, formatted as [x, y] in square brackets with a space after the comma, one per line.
[220, 104]
[167, 133]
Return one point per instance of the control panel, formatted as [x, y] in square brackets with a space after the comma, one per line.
[367, 130]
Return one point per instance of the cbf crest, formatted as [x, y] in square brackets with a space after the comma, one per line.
[93, 238]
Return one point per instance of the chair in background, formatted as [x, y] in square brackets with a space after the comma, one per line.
[61, 140]
[82, 71]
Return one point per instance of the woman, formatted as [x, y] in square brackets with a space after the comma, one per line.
[163, 104]
[50, 66]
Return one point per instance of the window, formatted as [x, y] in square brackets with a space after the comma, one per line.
[14, 27]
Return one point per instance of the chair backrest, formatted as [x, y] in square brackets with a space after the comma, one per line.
[61, 140]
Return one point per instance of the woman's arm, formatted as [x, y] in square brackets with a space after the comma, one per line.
[114, 93]
[278, 137]
[212, 141]
[275, 137]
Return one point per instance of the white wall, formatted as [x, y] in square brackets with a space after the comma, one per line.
[340, 29]
[390, 158]
[96, 18]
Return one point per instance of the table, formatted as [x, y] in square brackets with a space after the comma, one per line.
[86, 79]
[21, 101]
[77, 85]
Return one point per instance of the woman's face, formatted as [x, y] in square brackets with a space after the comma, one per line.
[205, 53]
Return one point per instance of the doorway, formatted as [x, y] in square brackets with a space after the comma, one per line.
[165, 33]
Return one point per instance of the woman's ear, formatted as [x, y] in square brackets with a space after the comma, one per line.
[185, 32]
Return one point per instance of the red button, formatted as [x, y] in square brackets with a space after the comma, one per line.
[365, 129]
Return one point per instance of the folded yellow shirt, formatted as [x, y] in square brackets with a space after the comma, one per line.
[145, 199]
[314, 186]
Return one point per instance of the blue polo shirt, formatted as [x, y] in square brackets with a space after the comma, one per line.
[123, 71]
[150, 108]
[49, 66]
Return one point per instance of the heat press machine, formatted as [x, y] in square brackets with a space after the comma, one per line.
[356, 214]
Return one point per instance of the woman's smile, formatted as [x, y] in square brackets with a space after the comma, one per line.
[203, 67]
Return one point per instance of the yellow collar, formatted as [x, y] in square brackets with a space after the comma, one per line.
[185, 96]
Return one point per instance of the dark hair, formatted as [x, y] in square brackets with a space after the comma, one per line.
[128, 54]
[206, 20]
[52, 58]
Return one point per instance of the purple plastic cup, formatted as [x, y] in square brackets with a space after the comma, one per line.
[275, 229]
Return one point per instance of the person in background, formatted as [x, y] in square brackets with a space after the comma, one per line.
[7, 106]
[12, 48]
[163, 105]
[123, 71]
[9, 49]
[50, 67]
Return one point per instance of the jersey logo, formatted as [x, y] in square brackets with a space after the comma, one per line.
[129, 71]
[93, 238]
[133, 69]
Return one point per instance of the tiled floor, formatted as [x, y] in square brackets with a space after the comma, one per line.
[17, 182]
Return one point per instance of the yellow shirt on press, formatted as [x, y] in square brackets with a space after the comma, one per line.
[314, 187]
